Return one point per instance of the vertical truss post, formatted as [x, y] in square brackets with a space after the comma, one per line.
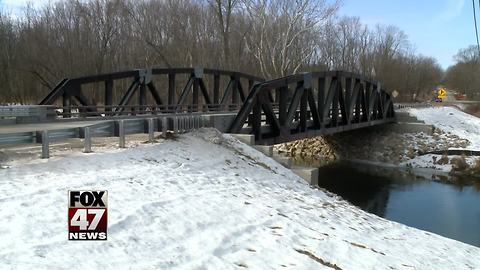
[142, 97]
[349, 83]
[336, 94]
[358, 101]
[108, 95]
[342, 95]
[250, 85]
[67, 105]
[282, 104]
[216, 88]
[321, 98]
[303, 111]
[368, 92]
[195, 95]
[171, 89]
[364, 103]
[234, 90]
[306, 85]
[257, 118]
[198, 75]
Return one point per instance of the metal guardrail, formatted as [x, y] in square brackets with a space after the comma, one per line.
[175, 123]
[23, 111]
[412, 105]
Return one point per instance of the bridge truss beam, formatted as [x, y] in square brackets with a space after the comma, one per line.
[208, 82]
[312, 104]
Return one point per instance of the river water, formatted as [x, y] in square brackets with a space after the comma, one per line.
[448, 207]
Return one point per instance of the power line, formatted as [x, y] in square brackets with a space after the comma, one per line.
[475, 21]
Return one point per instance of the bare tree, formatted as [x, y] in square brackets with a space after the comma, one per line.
[269, 38]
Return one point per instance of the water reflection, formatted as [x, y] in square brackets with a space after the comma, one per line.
[446, 206]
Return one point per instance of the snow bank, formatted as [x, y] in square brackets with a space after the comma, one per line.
[450, 119]
[203, 201]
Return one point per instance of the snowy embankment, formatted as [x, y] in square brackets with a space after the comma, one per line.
[449, 120]
[202, 201]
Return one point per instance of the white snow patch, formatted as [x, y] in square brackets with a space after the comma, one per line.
[452, 120]
[203, 201]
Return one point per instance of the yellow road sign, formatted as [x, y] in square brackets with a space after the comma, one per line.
[441, 93]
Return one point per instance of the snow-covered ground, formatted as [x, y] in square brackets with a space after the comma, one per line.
[202, 201]
[450, 119]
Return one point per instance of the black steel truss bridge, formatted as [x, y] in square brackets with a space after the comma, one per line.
[274, 111]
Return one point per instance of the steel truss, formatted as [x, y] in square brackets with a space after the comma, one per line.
[213, 98]
[275, 111]
[312, 104]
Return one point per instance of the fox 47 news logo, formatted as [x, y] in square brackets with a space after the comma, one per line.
[87, 215]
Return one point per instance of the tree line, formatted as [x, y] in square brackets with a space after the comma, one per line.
[267, 38]
[463, 77]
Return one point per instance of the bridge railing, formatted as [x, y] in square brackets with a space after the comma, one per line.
[179, 87]
[309, 104]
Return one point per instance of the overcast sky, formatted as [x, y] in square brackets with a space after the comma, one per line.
[437, 28]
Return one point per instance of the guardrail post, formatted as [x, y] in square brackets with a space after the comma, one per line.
[175, 124]
[164, 127]
[180, 124]
[192, 122]
[184, 123]
[45, 144]
[88, 140]
[121, 134]
[151, 136]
